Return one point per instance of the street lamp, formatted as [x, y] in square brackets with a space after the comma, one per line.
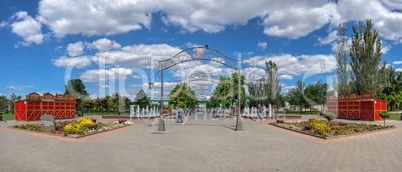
[151, 85]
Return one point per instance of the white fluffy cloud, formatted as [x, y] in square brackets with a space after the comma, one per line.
[101, 75]
[76, 62]
[262, 45]
[393, 4]
[329, 39]
[299, 65]
[11, 87]
[296, 21]
[281, 18]
[286, 77]
[27, 27]
[75, 49]
[3, 24]
[105, 44]
[397, 62]
[384, 19]
[135, 55]
[99, 17]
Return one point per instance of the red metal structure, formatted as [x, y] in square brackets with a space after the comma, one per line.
[34, 106]
[363, 107]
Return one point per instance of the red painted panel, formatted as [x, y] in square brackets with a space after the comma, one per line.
[35, 106]
[362, 107]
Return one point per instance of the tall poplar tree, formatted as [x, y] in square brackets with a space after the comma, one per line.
[343, 75]
[369, 70]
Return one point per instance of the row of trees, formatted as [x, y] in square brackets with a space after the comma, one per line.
[7, 104]
[267, 90]
[360, 67]
[227, 91]
[110, 103]
[307, 96]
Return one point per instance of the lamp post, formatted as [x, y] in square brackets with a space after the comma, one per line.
[151, 65]
[239, 123]
[161, 126]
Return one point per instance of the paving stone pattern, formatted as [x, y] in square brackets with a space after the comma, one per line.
[200, 145]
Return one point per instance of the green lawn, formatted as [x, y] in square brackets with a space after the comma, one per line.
[105, 113]
[395, 116]
[8, 116]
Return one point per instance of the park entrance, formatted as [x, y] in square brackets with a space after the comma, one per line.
[194, 54]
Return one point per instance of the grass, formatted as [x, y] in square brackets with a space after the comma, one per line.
[395, 116]
[8, 116]
[104, 113]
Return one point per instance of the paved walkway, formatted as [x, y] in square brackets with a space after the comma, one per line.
[200, 145]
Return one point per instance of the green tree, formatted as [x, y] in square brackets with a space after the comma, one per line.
[127, 103]
[273, 87]
[141, 99]
[106, 103]
[223, 93]
[295, 96]
[257, 92]
[266, 91]
[343, 76]
[394, 99]
[226, 92]
[117, 103]
[182, 96]
[393, 91]
[316, 93]
[369, 73]
[98, 104]
[13, 99]
[235, 80]
[4, 102]
[88, 104]
[76, 88]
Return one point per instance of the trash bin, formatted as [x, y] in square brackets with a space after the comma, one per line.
[1, 116]
[400, 114]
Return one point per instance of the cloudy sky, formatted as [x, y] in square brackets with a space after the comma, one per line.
[106, 43]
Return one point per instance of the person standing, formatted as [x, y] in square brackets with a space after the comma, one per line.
[259, 111]
[179, 115]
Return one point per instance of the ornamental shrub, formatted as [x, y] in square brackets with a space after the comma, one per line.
[385, 115]
[329, 117]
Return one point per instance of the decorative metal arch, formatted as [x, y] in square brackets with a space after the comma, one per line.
[199, 53]
[199, 76]
[193, 54]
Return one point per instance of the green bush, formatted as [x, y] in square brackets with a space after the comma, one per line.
[385, 114]
[329, 117]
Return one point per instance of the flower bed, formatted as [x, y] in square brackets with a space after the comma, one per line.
[322, 128]
[80, 127]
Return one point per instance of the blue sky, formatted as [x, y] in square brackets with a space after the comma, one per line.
[42, 42]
